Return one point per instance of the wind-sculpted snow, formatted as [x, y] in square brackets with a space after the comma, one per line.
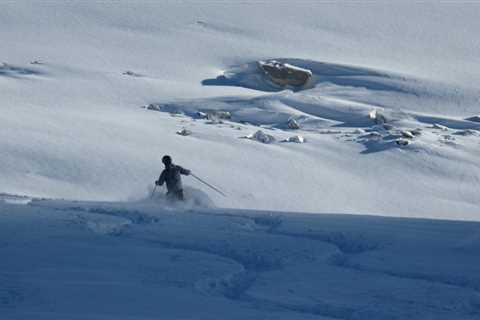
[351, 99]
[17, 72]
[142, 260]
[250, 76]
[337, 95]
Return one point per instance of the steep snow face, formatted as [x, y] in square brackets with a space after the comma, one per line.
[76, 77]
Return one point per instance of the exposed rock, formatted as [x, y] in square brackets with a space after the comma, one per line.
[131, 73]
[377, 117]
[447, 138]
[235, 127]
[262, 137]
[372, 135]
[474, 118]
[184, 132]
[293, 124]
[172, 109]
[468, 132]
[402, 142]
[387, 126]
[440, 127]
[223, 115]
[416, 132]
[216, 117]
[329, 131]
[407, 134]
[285, 74]
[358, 131]
[201, 115]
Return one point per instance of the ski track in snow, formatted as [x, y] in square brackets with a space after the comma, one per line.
[260, 245]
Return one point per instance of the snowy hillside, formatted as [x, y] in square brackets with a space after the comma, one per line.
[386, 123]
[77, 74]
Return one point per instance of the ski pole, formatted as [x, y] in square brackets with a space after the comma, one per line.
[153, 191]
[209, 185]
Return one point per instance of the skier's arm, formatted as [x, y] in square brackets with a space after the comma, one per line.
[184, 171]
[161, 179]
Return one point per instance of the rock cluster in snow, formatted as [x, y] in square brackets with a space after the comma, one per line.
[261, 136]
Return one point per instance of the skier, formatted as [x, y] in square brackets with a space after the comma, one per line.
[171, 176]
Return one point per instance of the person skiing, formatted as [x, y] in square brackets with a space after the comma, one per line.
[171, 176]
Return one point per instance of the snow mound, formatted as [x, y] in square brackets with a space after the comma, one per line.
[296, 139]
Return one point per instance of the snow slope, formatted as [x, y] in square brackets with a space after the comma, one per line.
[145, 260]
[92, 95]
[78, 73]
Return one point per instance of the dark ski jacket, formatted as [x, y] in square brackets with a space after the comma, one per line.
[171, 176]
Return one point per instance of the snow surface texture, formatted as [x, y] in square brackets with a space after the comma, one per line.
[86, 260]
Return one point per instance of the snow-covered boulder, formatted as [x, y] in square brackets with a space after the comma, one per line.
[407, 134]
[403, 142]
[218, 116]
[358, 131]
[468, 132]
[285, 74]
[201, 115]
[372, 135]
[295, 139]
[377, 116]
[440, 127]
[184, 132]
[261, 136]
[416, 132]
[223, 115]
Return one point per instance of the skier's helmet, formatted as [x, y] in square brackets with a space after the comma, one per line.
[167, 160]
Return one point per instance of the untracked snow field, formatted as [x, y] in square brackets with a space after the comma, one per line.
[352, 196]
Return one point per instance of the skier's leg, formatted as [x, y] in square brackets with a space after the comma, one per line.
[171, 196]
[180, 196]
